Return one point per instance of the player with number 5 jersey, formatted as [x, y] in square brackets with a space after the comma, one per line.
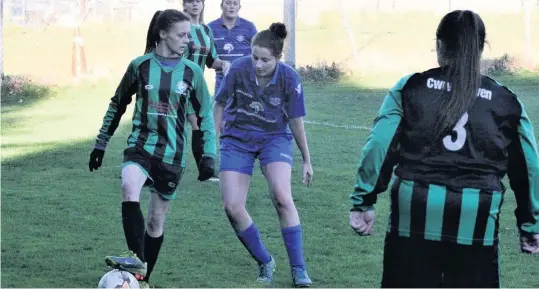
[452, 134]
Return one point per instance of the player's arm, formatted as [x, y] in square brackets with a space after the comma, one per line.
[212, 61]
[225, 92]
[117, 106]
[523, 173]
[253, 32]
[295, 109]
[379, 153]
[202, 95]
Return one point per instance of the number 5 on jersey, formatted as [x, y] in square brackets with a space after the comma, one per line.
[461, 135]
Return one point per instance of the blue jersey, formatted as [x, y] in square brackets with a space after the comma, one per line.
[250, 108]
[233, 43]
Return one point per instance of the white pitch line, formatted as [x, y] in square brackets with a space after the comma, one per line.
[345, 126]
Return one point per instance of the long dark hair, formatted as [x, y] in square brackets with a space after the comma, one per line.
[162, 20]
[462, 37]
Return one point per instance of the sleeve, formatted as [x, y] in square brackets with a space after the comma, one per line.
[226, 88]
[523, 174]
[379, 155]
[253, 32]
[295, 103]
[204, 110]
[118, 104]
[212, 54]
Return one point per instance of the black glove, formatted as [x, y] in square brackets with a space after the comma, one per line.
[206, 169]
[96, 158]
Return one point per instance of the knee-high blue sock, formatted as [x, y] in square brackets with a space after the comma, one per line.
[293, 241]
[252, 242]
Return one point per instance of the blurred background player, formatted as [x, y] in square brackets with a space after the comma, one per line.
[201, 50]
[232, 34]
[453, 134]
[164, 84]
[261, 102]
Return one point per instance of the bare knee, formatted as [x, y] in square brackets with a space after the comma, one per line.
[133, 179]
[130, 190]
[282, 199]
[234, 209]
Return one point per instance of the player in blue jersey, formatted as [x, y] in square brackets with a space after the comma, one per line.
[163, 82]
[232, 34]
[260, 108]
[453, 134]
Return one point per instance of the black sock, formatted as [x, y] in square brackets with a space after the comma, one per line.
[197, 145]
[133, 222]
[151, 251]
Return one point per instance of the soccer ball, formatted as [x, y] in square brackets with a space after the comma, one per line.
[118, 279]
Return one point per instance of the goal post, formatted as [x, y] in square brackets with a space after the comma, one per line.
[290, 22]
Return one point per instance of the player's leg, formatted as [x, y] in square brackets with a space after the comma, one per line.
[412, 263]
[166, 178]
[236, 168]
[276, 161]
[197, 143]
[135, 174]
[472, 266]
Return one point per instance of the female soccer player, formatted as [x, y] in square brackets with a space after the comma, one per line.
[201, 50]
[452, 134]
[163, 82]
[233, 35]
[261, 104]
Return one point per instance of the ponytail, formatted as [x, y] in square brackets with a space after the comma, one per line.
[152, 37]
[462, 37]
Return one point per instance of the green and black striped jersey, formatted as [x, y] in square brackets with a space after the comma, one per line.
[201, 48]
[162, 101]
[451, 189]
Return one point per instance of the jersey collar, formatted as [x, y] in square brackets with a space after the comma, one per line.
[222, 23]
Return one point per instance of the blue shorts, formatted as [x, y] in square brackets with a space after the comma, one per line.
[236, 156]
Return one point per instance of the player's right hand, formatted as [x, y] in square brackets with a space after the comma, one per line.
[529, 243]
[206, 168]
[96, 158]
[362, 222]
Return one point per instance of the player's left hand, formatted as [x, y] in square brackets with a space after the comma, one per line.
[225, 66]
[362, 222]
[206, 168]
[307, 177]
[529, 243]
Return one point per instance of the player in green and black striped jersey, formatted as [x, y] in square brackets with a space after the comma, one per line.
[201, 50]
[453, 134]
[166, 88]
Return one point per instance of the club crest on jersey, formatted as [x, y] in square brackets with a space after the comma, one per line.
[181, 87]
[228, 47]
[240, 38]
[257, 106]
[275, 101]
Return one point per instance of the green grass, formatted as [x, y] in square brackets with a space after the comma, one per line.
[59, 220]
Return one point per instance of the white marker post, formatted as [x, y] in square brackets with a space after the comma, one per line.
[290, 22]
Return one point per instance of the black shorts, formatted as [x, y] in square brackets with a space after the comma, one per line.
[420, 263]
[163, 178]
